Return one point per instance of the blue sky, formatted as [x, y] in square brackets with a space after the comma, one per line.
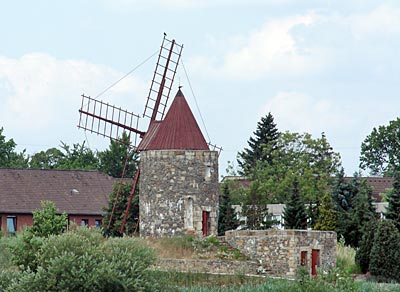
[318, 66]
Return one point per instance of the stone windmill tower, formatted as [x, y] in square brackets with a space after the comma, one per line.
[177, 174]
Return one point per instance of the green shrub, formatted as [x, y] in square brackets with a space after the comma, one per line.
[85, 261]
[345, 258]
[385, 252]
[364, 251]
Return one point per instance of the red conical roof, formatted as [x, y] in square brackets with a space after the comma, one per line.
[179, 130]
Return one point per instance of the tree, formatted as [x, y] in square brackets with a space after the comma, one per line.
[393, 208]
[8, 156]
[328, 218]
[294, 213]
[49, 159]
[48, 221]
[113, 159]
[385, 256]
[122, 189]
[380, 151]
[362, 257]
[77, 157]
[226, 216]
[261, 146]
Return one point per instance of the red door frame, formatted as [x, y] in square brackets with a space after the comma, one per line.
[314, 261]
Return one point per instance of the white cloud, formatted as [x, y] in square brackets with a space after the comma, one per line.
[272, 50]
[384, 20]
[38, 91]
[299, 112]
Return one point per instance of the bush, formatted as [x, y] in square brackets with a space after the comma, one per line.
[385, 252]
[85, 261]
[364, 251]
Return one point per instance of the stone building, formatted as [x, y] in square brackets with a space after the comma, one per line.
[283, 252]
[178, 177]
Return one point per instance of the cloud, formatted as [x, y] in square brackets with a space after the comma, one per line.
[38, 91]
[299, 112]
[383, 21]
[274, 49]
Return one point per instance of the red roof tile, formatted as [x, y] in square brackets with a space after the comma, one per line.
[73, 191]
[178, 131]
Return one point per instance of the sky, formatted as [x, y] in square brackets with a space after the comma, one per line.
[317, 66]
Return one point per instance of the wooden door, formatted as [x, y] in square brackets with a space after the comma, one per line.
[314, 261]
[206, 223]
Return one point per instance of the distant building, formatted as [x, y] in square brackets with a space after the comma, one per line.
[81, 194]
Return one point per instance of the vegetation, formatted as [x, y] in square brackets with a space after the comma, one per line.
[112, 224]
[380, 151]
[83, 260]
[393, 209]
[8, 155]
[261, 147]
[47, 220]
[294, 212]
[328, 217]
[226, 216]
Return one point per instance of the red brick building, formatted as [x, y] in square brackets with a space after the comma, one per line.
[81, 194]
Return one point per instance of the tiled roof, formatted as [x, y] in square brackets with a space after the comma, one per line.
[379, 185]
[178, 131]
[73, 191]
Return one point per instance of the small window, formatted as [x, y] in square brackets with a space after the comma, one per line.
[97, 223]
[84, 222]
[11, 224]
[208, 171]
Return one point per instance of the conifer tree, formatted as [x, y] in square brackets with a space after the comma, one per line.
[364, 250]
[294, 213]
[226, 217]
[393, 209]
[327, 219]
[261, 146]
[385, 256]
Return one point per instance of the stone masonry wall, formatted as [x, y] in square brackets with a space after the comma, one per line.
[176, 186]
[279, 251]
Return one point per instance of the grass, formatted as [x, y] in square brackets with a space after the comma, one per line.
[345, 258]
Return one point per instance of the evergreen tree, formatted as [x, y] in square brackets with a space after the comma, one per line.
[226, 217]
[385, 255]
[261, 146]
[113, 229]
[393, 209]
[363, 213]
[327, 219]
[294, 213]
[112, 160]
[363, 252]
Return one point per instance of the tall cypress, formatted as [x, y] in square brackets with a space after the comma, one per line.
[261, 146]
[294, 213]
[226, 217]
[393, 208]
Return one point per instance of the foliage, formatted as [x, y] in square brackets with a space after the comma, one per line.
[393, 208]
[226, 216]
[79, 156]
[261, 147]
[123, 189]
[345, 258]
[380, 151]
[8, 155]
[24, 249]
[47, 221]
[112, 160]
[352, 200]
[328, 218]
[84, 261]
[255, 209]
[298, 156]
[294, 212]
[385, 252]
[363, 253]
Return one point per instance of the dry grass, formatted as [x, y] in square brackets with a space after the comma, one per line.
[175, 248]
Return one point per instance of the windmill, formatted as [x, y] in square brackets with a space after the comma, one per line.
[171, 131]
